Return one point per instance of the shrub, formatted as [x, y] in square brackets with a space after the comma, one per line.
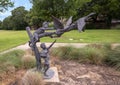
[12, 58]
[28, 61]
[113, 58]
[32, 78]
[117, 27]
[62, 52]
[90, 54]
[105, 46]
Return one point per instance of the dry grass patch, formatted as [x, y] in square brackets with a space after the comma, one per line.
[32, 78]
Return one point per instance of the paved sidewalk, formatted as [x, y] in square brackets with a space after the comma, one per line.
[77, 45]
[25, 46]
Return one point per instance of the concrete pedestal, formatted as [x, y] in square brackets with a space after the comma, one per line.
[54, 73]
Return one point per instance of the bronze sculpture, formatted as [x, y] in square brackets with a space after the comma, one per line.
[60, 29]
[45, 55]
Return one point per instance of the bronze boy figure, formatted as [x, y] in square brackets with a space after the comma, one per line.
[45, 55]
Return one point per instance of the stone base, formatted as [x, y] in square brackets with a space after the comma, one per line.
[53, 74]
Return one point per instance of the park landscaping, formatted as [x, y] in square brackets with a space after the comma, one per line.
[96, 63]
[92, 62]
[10, 39]
[98, 56]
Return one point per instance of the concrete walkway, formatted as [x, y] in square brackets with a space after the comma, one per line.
[77, 45]
[26, 46]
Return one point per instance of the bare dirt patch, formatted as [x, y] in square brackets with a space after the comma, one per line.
[73, 73]
[8, 78]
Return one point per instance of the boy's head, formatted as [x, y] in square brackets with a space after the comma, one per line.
[43, 46]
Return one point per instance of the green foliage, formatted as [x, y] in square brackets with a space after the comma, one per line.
[11, 59]
[106, 10]
[28, 61]
[4, 4]
[43, 9]
[17, 59]
[0, 25]
[116, 27]
[90, 54]
[62, 52]
[98, 54]
[7, 24]
[17, 17]
[113, 58]
[16, 21]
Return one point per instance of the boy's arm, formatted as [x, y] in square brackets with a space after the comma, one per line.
[51, 45]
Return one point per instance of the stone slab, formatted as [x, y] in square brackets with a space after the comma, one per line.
[55, 77]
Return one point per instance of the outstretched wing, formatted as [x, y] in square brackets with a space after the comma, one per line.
[81, 23]
[68, 22]
[91, 14]
[57, 23]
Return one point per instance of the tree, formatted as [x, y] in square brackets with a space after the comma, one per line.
[108, 9]
[43, 9]
[0, 25]
[4, 4]
[18, 18]
[7, 24]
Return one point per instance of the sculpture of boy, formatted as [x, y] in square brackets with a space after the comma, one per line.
[45, 55]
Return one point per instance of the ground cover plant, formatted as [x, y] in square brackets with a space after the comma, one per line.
[113, 58]
[16, 60]
[98, 54]
[9, 39]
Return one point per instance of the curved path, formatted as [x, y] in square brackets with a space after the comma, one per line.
[77, 45]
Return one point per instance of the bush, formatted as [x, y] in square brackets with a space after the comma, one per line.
[62, 52]
[92, 55]
[89, 54]
[16, 59]
[28, 61]
[32, 78]
[12, 58]
[113, 58]
[117, 27]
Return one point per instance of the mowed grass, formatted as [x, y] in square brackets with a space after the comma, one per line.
[89, 36]
[9, 39]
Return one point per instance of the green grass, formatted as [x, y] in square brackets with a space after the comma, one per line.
[9, 39]
[113, 58]
[11, 59]
[89, 36]
[16, 59]
[92, 36]
[94, 54]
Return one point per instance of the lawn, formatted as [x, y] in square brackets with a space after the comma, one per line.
[9, 39]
